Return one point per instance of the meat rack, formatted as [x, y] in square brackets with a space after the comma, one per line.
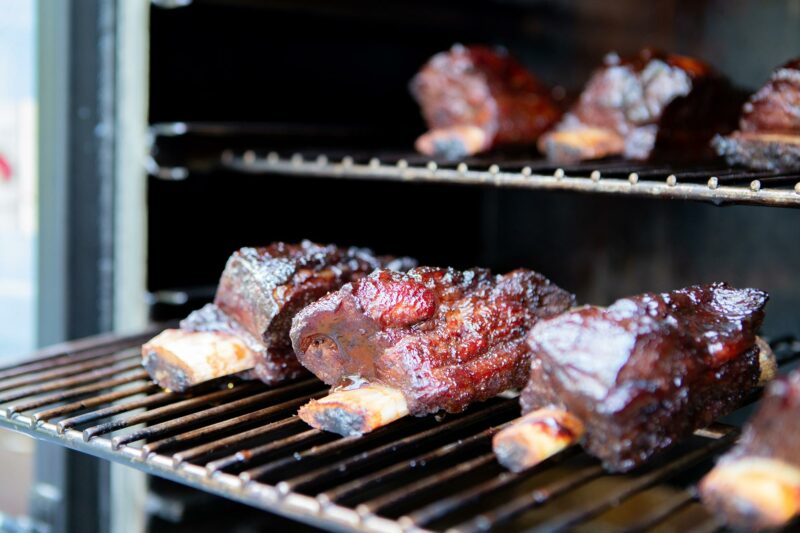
[711, 182]
[243, 441]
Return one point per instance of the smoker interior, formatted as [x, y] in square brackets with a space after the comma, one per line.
[243, 440]
[316, 78]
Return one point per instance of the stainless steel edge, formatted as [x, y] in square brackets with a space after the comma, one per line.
[296, 166]
[295, 506]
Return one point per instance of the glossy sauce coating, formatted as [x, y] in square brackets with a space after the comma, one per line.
[445, 338]
[487, 88]
[261, 289]
[774, 431]
[769, 129]
[756, 485]
[775, 108]
[649, 98]
[648, 370]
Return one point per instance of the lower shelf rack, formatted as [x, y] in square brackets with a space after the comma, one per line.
[243, 440]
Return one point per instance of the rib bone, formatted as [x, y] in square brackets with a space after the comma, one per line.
[763, 492]
[353, 412]
[535, 437]
[178, 359]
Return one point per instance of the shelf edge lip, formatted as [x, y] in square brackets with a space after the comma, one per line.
[788, 197]
[294, 506]
[171, 4]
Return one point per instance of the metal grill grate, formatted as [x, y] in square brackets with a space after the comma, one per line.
[242, 440]
[713, 182]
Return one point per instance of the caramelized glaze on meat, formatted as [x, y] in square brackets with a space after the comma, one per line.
[774, 431]
[648, 370]
[630, 105]
[776, 106]
[474, 98]
[261, 289]
[769, 129]
[756, 485]
[445, 338]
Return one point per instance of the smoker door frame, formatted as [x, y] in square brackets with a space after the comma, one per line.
[76, 90]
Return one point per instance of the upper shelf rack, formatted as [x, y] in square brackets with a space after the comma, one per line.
[712, 182]
[178, 149]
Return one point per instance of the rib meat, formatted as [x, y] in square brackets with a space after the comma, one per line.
[769, 130]
[757, 484]
[632, 105]
[259, 293]
[442, 337]
[474, 98]
[649, 370]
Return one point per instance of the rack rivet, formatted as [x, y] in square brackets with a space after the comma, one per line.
[323, 500]
[797, 187]
[494, 169]
[595, 175]
[402, 163]
[322, 160]
[526, 171]
[374, 162]
[297, 159]
[713, 182]
[483, 523]
[633, 177]
[462, 167]
[672, 180]
[755, 185]
[363, 511]
[406, 522]
[273, 157]
[559, 173]
[249, 156]
[347, 161]
[432, 166]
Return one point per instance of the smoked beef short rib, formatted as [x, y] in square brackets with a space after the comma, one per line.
[632, 105]
[757, 484]
[649, 370]
[248, 324]
[475, 98]
[441, 337]
[769, 130]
